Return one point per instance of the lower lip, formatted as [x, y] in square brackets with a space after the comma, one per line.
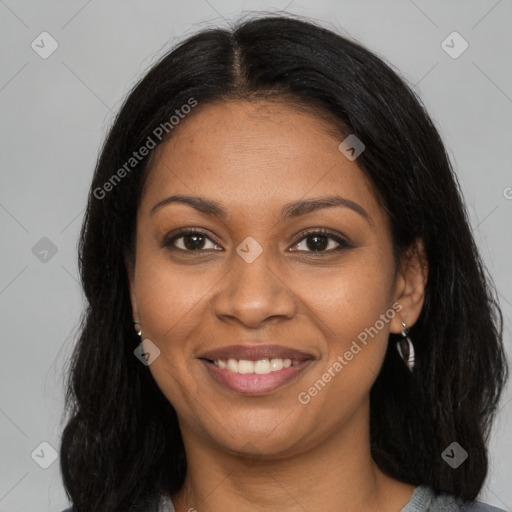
[253, 383]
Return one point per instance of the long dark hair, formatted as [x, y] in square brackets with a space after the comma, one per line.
[122, 446]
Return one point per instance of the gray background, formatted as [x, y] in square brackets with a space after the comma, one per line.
[56, 111]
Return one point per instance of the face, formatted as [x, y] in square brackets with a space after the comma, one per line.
[264, 276]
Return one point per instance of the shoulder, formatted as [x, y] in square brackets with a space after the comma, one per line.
[424, 499]
[478, 506]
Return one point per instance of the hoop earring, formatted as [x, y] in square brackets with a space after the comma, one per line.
[406, 348]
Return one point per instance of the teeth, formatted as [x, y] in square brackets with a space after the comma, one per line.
[232, 365]
[261, 367]
[245, 366]
[276, 364]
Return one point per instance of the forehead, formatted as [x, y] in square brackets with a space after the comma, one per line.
[254, 155]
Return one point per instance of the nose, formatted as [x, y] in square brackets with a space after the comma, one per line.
[253, 292]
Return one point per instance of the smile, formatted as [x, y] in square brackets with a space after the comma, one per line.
[255, 377]
[260, 367]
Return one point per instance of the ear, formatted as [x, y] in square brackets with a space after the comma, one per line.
[410, 286]
[130, 270]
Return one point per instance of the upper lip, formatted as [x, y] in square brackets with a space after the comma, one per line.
[255, 353]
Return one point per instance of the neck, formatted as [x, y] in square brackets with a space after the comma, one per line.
[335, 474]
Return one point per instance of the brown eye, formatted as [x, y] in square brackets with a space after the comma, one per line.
[190, 241]
[321, 241]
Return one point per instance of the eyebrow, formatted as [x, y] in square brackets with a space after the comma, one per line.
[289, 210]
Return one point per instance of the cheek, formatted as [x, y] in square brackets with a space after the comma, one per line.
[352, 306]
[171, 298]
[351, 297]
[170, 304]
[345, 304]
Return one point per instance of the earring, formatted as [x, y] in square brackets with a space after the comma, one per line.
[139, 332]
[406, 348]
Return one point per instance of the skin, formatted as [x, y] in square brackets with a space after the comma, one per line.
[270, 452]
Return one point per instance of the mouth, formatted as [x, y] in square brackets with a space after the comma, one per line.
[257, 369]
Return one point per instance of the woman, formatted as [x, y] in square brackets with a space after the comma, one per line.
[286, 307]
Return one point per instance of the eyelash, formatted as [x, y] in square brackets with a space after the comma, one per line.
[343, 244]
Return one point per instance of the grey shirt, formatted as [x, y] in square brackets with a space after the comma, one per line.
[423, 499]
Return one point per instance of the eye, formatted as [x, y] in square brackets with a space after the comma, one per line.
[316, 242]
[189, 240]
[320, 240]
